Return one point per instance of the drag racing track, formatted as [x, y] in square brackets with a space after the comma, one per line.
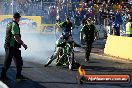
[40, 47]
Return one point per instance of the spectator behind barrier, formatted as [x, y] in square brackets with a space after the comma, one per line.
[129, 26]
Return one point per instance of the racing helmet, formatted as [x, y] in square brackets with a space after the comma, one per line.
[66, 35]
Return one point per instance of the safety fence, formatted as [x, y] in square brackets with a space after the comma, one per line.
[26, 22]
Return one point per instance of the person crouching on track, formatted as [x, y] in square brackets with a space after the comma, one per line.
[59, 45]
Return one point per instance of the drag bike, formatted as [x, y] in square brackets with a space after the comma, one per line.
[66, 54]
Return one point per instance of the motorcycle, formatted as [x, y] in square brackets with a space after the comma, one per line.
[66, 54]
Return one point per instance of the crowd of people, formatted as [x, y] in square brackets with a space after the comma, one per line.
[25, 7]
[102, 12]
[105, 13]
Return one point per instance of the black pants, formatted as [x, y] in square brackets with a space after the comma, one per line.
[12, 53]
[117, 31]
[88, 49]
[129, 35]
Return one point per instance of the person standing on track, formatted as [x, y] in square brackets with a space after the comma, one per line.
[12, 44]
[88, 34]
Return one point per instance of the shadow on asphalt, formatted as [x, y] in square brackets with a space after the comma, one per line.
[24, 67]
[105, 69]
[60, 82]
[12, 83]
[24, 84]
[94, 62]
[112, 84]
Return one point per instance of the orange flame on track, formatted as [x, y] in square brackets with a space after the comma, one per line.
[81, 71]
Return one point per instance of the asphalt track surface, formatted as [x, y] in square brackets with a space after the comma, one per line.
[41, 46]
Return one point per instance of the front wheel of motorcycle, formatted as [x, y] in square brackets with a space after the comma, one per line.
[71, 67]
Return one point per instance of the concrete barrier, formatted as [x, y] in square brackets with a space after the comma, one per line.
[119, 46]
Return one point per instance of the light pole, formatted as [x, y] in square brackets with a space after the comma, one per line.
[41, 7]
[12, 4]
[67, 7]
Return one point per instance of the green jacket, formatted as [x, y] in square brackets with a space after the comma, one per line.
[129, 28]
[12, 30]
[88, 32]
[65, 25]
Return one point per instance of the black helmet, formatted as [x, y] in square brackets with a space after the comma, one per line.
[66, 35]
[16, 15]
[84, 21]
[89, 18]
[67, 18]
